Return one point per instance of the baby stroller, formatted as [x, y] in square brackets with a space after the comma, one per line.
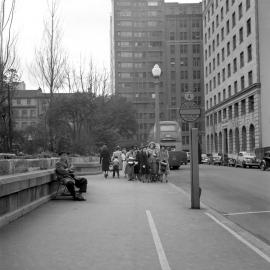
[154, 170]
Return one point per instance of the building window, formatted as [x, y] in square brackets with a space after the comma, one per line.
[242, 82]
[218, 76]
[222, 14]
[236, 110]
[242, 59]
[172, 35]
[217, 21]
[224, 94]
[241, 36]
[228, 27]
[247, 4]
[229, 91]
[219, 97]
[240, 11]
[222, 33]
[28, 101]
[234, 65]
[218, 59]
[243, 107]
[233, 20]
[184, 49]
[234, 42]
[235, 87]
[251, 104]
[248, 27]
[224, 113]
[217, 40]
[250, 78]
[249, 52]
[172, 49]
[228, 49]
[223, 54]
[229, 70]
[223, 74]
[230, 112]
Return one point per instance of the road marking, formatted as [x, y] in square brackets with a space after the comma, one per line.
[246, 213]
[160, 251]
[240, 238]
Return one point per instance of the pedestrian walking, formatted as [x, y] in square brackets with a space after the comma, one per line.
[118, 153]
[144, 165]
[105, 160]
[164, 163]
[115, 164]
[124, 162]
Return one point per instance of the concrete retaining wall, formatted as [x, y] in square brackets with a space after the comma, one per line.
[22, 193]
[12, 166]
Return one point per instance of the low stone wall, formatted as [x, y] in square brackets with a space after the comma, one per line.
[21, 193]
[87, 168]
[12, 166]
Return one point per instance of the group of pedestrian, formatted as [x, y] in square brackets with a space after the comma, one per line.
[149, 163]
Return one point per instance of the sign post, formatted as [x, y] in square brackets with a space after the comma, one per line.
[190, 112]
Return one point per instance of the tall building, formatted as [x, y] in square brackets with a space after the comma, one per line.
[145, 33]
[236, 59]
[184, 62]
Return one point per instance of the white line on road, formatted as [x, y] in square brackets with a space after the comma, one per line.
[240, 238]
[246, 213]
[160, 251]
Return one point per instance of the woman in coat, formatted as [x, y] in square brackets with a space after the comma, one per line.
[105, 160]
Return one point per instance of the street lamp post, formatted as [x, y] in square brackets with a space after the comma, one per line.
[156, 72]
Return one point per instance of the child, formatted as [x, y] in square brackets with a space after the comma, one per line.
[163, 170]
[116, 164]
[130, 169]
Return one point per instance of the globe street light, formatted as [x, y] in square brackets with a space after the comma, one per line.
[156, 72]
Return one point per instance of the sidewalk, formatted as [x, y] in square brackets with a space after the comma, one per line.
[123, 225]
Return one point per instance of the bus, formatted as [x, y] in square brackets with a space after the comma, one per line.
[171, 138]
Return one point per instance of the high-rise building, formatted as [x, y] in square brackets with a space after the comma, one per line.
[144, 33]
[236, 59]
[184, 62]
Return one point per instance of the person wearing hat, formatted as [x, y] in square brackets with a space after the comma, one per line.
[66, 175]
[118, 153]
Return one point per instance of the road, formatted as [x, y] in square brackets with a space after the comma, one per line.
[234, 192]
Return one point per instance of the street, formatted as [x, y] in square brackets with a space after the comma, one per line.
[242, 195]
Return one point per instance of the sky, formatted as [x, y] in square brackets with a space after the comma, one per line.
[85, 26]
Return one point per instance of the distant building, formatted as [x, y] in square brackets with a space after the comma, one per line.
[236, 67]
[184, 63]
[27, 107]
[149, 32]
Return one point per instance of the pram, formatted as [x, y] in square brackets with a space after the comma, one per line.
[154, 170]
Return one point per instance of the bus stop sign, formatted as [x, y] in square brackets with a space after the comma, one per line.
[189, 111]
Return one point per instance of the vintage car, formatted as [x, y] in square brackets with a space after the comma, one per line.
[265, 162]
[246, 160]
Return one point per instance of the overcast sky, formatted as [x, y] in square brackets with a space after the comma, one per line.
[85, 26]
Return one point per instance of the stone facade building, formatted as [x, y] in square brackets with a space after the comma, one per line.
[235, 38]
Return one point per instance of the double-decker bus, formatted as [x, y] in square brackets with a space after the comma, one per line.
[171, 138]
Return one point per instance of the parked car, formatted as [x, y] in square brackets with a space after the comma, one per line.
[204, 159]
[245, 160]
[231, 162]
[265, 162]
[215, 159]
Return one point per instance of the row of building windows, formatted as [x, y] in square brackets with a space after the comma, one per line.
[184, 87]
[197, 100]
[24, 113]
[196, 48]
[148, 44]
[215, 43]
[140, 34]
[185, 75]
[195, 35]
[184, 23]
[139, 24]
[139, 55]
[214, 101]
[138, 3]
[210, 12]
[140, 13]
[196, 62]
[232, 111]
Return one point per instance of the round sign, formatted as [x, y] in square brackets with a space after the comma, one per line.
[189, 96]
[189, 111]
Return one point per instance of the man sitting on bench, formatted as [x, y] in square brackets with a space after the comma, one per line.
[67, 177]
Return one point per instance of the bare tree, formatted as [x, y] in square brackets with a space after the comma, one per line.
[50, 59]
[8, 59]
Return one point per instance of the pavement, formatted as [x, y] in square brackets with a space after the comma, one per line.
[126, 225]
